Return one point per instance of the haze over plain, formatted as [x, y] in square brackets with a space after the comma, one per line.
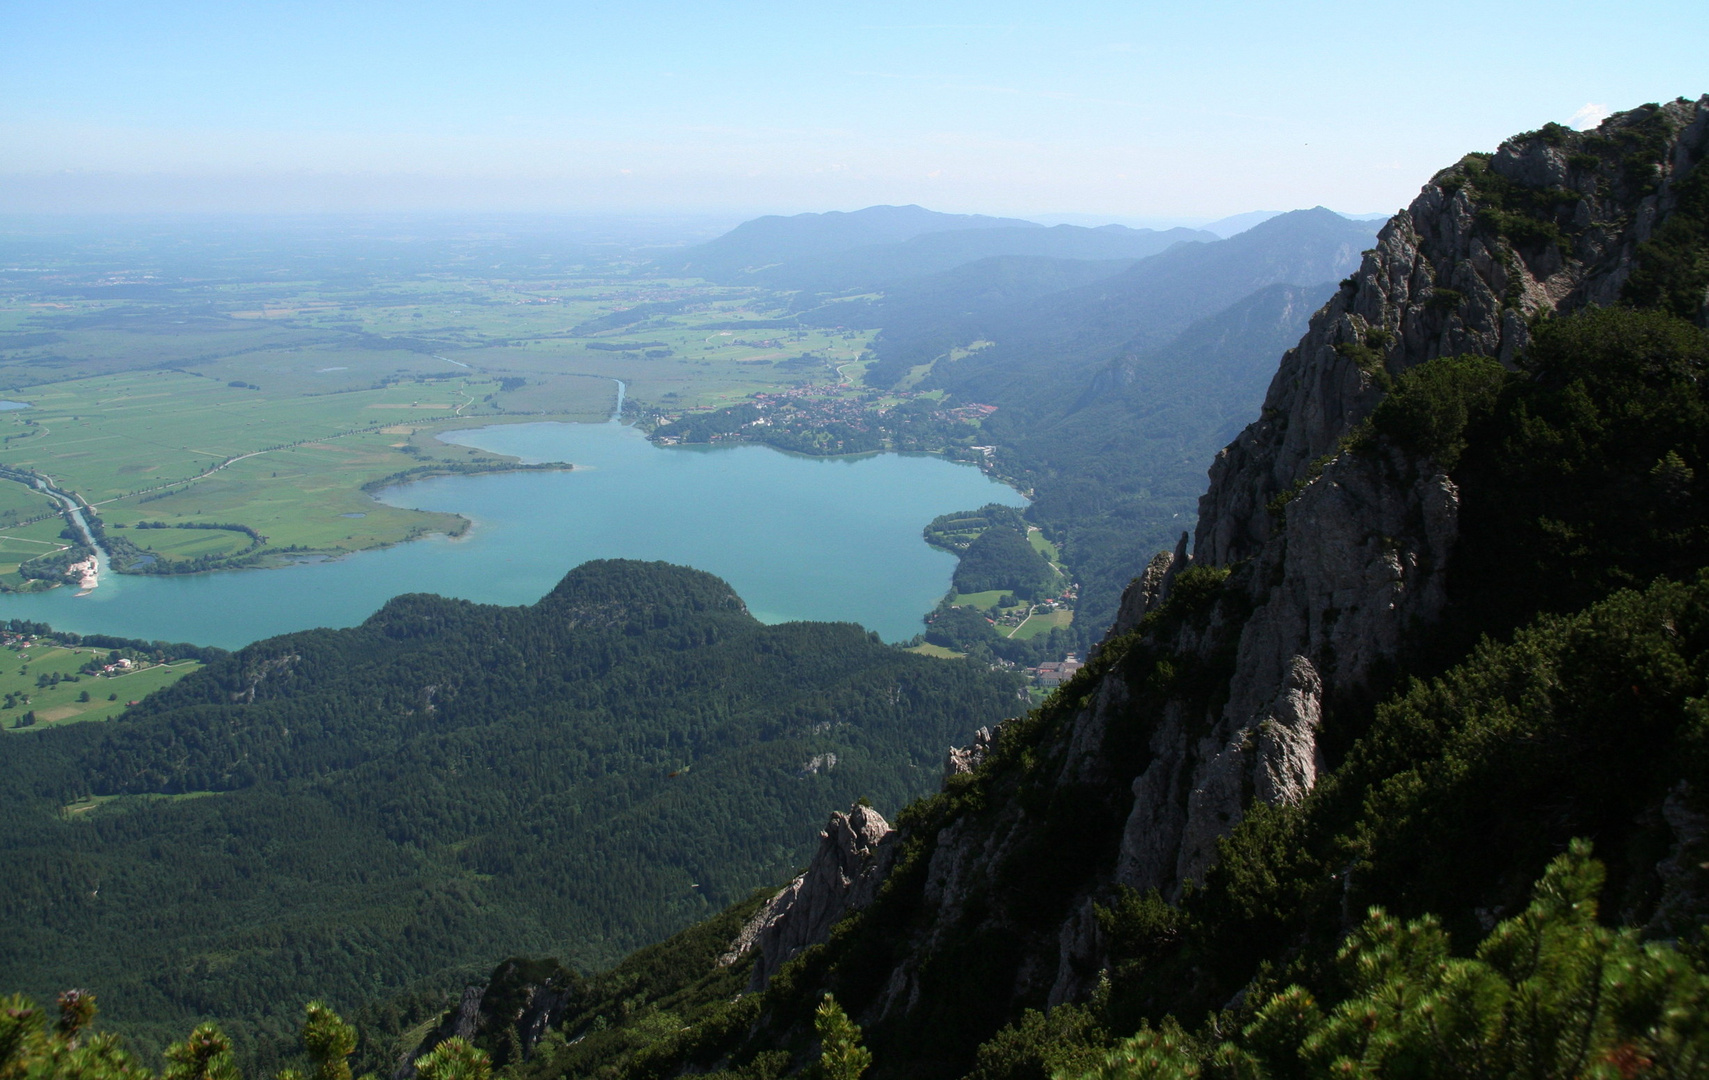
[1147, 112]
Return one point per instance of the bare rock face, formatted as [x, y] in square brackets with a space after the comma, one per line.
[844, 876]
[459, 1023]
[1440, 282]
[964, 759]
[1343, 555]
[1148, 590]
[1358, 563]
[523, 998]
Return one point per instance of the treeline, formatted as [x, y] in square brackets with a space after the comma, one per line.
[159, 651]
[461, 468]
[968, 630]
[55, 566]
[129, 558]
[915, 426]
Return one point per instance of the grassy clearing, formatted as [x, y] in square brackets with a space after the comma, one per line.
[21, 543]
[19, 503]
[22, 672]
[984, 601]
[928, 649]
[1035, 537]
[300, 496]
[119, 802]
[140, 446]
[191, 543]
[1042, 622]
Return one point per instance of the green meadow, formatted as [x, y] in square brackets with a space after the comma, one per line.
[1042, 622]
[74, 696]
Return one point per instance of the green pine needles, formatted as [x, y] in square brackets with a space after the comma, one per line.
[1549, 994]
[841, 1056]
[31, 1049]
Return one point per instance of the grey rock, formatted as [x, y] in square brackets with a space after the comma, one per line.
[460, 1023]
[1684, 873]
[964, 759]
[844, 876]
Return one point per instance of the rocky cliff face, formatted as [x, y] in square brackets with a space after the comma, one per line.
[1311, 575]
[844, 876]
[507, 1016]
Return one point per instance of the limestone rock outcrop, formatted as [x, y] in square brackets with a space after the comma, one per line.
[962, 760]
[844, 876]
[523, 998]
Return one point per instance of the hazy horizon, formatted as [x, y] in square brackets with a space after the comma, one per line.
[1128, 113]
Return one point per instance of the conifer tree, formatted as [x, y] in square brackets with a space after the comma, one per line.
[205, 1055]
[841, 1056]
[454, 1059]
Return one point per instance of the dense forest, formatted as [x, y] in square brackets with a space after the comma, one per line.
[348, 814]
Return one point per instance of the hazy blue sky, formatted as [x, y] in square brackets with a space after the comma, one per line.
[1179, 110]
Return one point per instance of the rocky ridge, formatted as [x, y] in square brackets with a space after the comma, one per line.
[844, 876]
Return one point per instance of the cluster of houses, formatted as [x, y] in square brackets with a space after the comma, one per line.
[1054, 673]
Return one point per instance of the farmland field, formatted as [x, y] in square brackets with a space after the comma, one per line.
[279, 405]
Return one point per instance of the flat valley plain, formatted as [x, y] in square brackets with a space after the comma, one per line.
[235, 392]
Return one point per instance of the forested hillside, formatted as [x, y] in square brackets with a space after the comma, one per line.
[344, 814]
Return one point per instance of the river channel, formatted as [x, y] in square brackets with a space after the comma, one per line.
[798, 537]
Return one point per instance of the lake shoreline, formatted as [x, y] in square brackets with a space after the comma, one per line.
[801, 536]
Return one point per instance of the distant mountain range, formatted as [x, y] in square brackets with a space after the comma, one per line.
[768, 240]
[884, 245]
[882, 265]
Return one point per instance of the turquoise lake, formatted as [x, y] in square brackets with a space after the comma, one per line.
[798, 537]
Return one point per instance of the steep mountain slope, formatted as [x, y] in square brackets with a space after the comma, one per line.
[886, 265]
[1204, 813]
[1118, 472]
[340, 813]
[1114, 475]
[948, 309]
[773, 239]
[1144, 306]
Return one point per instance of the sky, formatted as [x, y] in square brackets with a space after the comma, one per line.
[1130, 111]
